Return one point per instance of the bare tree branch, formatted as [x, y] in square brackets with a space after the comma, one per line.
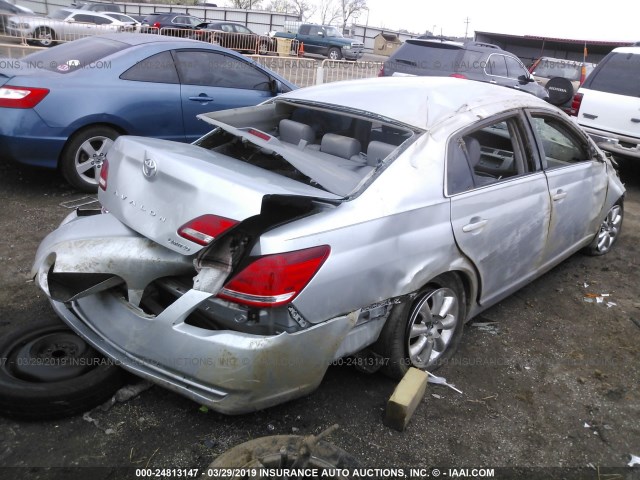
[351, 7]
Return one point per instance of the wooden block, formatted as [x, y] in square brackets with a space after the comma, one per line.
[405, 399]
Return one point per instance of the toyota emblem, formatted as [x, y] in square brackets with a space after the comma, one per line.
[149, 168]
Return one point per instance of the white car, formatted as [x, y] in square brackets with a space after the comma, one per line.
[67, 24]
[607, 105]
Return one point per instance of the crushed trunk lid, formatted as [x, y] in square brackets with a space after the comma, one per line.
[156, 186]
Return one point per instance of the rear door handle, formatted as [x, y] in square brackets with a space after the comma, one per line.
[560, 194]
[201, 98]
[589, 116]
[476, 223]
[635, 120]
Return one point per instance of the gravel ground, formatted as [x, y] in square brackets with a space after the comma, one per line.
[554, 382]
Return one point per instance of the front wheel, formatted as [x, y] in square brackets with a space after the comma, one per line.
[44, 37]
[83, 155]
[608, 232]
[47, 371]
[426, 332]
[335, 54]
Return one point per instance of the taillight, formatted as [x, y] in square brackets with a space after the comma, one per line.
[458, 75]
[575, 104]
[204, 229]
[274, 280]
[156, 25]
[21, 97]
[381, 72]
[104, 173]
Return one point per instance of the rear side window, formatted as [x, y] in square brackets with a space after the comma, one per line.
[69, 57]
[496, 66]
[158, 68]
[618, 74]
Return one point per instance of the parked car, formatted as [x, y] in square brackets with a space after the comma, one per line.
[235, 36]
[66, 25]
[7, 9]
[99, 7]
[370, 217]
[170, 23]
[64, 107]
[471, 60]
[325, 40]
[561, 78]
[608, 103]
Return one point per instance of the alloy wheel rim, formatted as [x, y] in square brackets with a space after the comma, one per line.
[431, 327]
[90, 156]
[609, 229]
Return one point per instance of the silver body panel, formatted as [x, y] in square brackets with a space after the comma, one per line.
[388, 238]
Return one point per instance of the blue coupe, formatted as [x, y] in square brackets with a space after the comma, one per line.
[63, 107]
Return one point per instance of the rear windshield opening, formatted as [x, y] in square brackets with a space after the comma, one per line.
[72, 56]
[329, 150]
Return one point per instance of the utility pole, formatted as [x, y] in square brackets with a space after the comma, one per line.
[466, 28]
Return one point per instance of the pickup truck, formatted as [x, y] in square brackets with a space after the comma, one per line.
[325, 40]
[607, 104]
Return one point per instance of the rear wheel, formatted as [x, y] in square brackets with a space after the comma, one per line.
[426, 332]
[83, 155]
[47, 371]
[608, 232]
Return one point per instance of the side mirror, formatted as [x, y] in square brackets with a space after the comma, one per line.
[524, 79]
[275, 86]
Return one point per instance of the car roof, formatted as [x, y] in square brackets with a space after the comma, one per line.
[143, 38]
[421, 102]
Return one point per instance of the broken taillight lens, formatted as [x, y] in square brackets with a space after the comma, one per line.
[21, 97]
[204, 229]
[104, 173]
[275, 280]
[575, 104]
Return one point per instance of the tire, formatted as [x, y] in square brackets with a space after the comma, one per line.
[560, 90]
[263, 48]
[401, 350]
[334, 54]
[44, 37]
[37, 380]
[608, 233]
[83, 155]
[281, 452]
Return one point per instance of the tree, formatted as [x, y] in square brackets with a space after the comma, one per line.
[280, 6]
[303, 8]
[329, 12]
[245, 4]
[351, 7]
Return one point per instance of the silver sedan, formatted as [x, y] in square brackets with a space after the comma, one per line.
[369, 218]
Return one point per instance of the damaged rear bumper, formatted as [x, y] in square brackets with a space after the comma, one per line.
[230, 372]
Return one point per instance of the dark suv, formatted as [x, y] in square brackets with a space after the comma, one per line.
[175, 23]
[471, 60]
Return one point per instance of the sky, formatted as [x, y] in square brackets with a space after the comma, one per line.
[583, 20]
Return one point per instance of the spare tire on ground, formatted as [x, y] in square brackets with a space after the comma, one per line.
[47, 371]
[560, 90]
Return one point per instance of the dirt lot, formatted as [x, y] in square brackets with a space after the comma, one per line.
[553, 383]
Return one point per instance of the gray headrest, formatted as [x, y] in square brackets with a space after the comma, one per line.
[378, 151]
[293, 132]
[473, 151]
[339, 145]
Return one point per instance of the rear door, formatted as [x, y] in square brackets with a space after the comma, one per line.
[499, 203]
[211, 81]
[577, 183]
[611, 100]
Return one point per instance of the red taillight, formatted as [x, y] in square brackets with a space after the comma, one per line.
[458, 75]
[575, 104]
[21, 97]
[204, 229]
[156, 25]
[274, 280]
[381, 72]
[104, 173]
